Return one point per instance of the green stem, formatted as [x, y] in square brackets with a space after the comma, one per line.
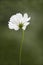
[21, 47]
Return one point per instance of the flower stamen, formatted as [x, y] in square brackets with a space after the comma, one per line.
[20, 26]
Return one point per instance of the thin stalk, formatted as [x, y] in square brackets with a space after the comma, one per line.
[21, 47]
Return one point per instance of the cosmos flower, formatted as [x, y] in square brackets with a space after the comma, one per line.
[19, 21]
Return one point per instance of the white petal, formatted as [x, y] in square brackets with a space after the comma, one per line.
[25, 15]
[10, 25]
[16, 27]
[13, 26]
[19, 17]
[28, 19]
[25, 18]
[26, 23]
[14, 19]
[24, 27]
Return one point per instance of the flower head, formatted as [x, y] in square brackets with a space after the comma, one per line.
[19, 21]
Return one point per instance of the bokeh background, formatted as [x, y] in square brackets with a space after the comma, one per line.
[32, 49]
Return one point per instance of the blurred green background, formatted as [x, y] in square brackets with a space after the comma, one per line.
[32, 49]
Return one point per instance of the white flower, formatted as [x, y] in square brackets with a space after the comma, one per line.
[19, 21]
